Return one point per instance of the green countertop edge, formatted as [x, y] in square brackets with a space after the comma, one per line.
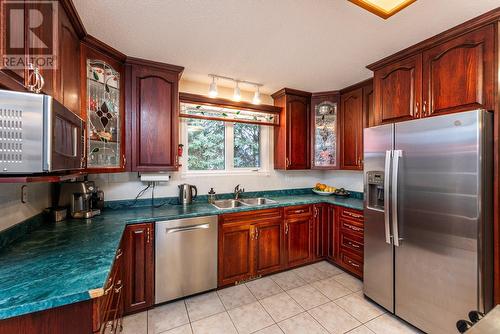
[121, 218]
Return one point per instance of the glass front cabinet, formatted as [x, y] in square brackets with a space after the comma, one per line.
[104, 111]
[324, 131]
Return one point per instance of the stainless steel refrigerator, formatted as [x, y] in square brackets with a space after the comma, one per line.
[428, 218]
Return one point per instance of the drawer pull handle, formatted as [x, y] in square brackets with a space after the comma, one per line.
[353, 244]
[119, 253]
[353, 264]
[299, 211]
[353, 215]
[108, 289]
[354, 228]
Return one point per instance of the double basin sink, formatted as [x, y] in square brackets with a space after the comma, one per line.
[236, 203]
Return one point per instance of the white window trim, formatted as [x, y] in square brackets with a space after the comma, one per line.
[265, 143]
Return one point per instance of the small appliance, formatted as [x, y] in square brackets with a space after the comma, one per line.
[80, 197]
[186, 193]
[38, 135]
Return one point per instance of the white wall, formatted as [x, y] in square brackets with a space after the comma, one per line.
[13, 211]
[127, 185]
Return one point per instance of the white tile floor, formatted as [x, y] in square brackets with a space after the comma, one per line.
[319, 298]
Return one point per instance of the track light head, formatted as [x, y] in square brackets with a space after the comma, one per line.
[237, 92]
[212, 90]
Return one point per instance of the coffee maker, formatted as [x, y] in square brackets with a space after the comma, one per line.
[83, 198]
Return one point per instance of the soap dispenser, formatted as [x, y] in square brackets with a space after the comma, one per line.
[211, 196]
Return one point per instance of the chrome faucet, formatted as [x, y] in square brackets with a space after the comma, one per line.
[238, 191]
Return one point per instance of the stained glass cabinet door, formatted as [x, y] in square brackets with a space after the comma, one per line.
[324, 132]
[104, 113]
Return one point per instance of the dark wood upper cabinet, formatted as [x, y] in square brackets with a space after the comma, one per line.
[324, 130]
[269, 246]
[61, 70]
[458, 75]
[12, 78]
[69, 67]
[398, 90]
[103, 95]
[351, 129]
[291, 138]
[139, 266]
[154, 101]
[368, 105]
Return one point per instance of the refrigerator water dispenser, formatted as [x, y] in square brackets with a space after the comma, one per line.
[375, 180]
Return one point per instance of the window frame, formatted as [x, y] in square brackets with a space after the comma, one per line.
[229, 169]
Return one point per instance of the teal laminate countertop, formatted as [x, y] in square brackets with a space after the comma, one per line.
[59, 263]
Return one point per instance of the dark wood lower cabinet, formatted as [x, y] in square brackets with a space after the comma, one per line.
[138, 243]
[262, 242]
[236, 259]
[298, 233]
[269, 246]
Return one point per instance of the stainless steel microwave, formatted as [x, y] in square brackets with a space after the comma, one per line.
[38, 135]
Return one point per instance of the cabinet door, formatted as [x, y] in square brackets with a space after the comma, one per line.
[13, 77]
[67, 88]
[298, 233]
[103, 109]
[459, 75]
[268, 246]
[324, 125]
[236, 253]
[398, 91]
[139, 266]
[298, 132]
[352, 129]
[154, 119]
[320, 231]
[332, 233]
[368, 106]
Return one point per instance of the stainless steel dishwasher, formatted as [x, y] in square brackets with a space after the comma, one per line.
[186, 257]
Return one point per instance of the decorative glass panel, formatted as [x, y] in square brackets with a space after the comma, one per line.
[191, 110]
[325, 136]
[103, 115]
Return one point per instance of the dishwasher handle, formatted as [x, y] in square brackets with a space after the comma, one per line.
[187, 228]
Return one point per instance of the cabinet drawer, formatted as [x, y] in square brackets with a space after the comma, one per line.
[351, 214]
[351, 262]
[352, 242]
[298, 210]
[251, 215]
[351, 226]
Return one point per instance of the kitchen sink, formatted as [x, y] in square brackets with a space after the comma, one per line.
[257, 201]
[228, 204]
[235, 203]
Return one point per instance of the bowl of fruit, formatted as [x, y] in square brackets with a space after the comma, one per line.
[323, 189]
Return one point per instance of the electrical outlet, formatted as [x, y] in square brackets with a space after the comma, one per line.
[24, 194]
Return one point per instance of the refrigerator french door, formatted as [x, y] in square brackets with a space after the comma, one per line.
[428, 207]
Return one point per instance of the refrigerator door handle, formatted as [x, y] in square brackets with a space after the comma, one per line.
[387, 183]
[394, 196]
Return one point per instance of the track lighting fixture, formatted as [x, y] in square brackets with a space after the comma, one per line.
[212, 89]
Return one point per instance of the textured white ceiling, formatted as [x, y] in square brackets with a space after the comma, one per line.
[313, 45]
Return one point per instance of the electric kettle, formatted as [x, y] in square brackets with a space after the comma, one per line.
[186, 193]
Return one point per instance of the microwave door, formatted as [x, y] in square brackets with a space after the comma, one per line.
[65, 138]
[21, 133]
[378, 254]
